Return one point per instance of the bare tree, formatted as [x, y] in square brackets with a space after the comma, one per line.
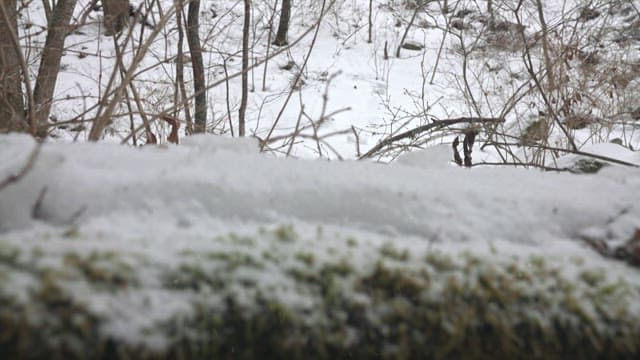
[12, 115]
[195, 49]
[50, 62]
[180, 95]
[283, 26]
[370, 20]
[545, 46]
[245, 66]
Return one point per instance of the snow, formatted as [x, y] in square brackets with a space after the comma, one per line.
[218, 205]
[216, 179]
[162, 205]
[228, 179]
[383, 97]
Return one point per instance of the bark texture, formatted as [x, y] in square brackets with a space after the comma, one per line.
[199, 86]
[50, 62]
[245, 67]
[283, 26]
[12, 114]
[116, 15]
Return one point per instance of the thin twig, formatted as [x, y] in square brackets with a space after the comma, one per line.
[355, 133]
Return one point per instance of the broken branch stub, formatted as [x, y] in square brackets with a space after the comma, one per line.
[469, 139]
[456, 153]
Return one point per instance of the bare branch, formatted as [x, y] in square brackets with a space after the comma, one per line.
[424, 128]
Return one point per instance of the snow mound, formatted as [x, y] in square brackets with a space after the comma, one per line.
[436, 157]
[228, 179]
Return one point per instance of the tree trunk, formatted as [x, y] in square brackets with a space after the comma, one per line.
[181, 99]
[245, 66]
[12, 114]
[116, 15]
[199, 86]
[283, 26]
[50, 62]
[545, 48]
[370, 21]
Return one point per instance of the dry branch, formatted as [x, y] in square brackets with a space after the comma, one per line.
[424, 128]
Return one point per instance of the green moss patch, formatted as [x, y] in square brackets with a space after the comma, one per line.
[279, 294]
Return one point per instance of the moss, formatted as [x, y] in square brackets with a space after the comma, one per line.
[234, 259]
[104, 269]
[302, 275]
[192, 277]
[352, 242]
[385, 283]
[37, 252]
[264, 331]
[460, 307]
[538, 262]
[324, 280]
[440, 262]
[517, 272]
[271, 256]
[593, 277]
[242, 240]
[607, 290]
[341, 269]
[306, 258]
[390, 251]
[9, 255]
[285, 233]
[53, 325]
[71, 233]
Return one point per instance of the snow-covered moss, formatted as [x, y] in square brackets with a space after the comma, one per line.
[277, 293]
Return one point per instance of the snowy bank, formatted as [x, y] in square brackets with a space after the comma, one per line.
[209, 249]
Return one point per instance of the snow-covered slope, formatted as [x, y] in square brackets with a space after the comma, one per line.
[384, 96]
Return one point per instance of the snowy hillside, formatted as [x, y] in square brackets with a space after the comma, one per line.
[333, 94]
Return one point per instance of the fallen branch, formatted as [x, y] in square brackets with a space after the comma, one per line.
[628, 252]
[424, 128]
[569, 151]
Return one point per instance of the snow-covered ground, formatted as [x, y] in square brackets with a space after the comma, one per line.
[368, 97]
